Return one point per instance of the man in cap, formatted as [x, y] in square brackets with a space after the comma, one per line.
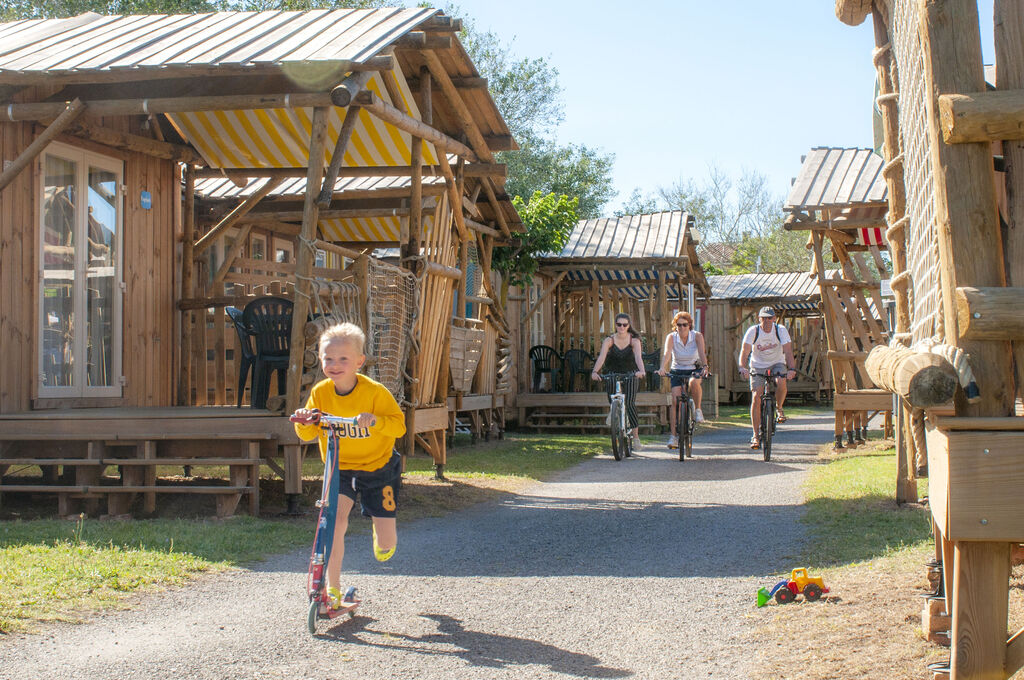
[766, 345]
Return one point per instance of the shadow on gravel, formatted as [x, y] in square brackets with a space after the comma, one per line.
[475, 648]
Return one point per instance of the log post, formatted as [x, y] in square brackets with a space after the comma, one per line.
[188, 228]
[1009, 37]
[67, 116]
[304, 257]
[922, 379]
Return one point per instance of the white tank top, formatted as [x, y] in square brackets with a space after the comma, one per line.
[684, 355]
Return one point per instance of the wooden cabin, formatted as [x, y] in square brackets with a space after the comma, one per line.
[158, 179]
[958, 279]
[643, 265]
[733, 307]
[840, 198]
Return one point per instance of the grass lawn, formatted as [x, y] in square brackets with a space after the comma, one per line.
[60, 570]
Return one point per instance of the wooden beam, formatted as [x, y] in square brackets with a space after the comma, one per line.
[417, 40]
[232, 218]
[348, 126]
[482, 228]
[63, 120]
[440, 23]
[982, 116]
[458, 106]
[922, 379]
[990, 313]
[472, 170]
[980, 607]
[337, 214]
[389, 114]
[1015, 653]
[124, 75]
[229, 258]
[499, 213]
[501, 142]
[133, 107]
[543, 296]
[343, 93]
[304, 258]
[465, 83]
[188, 227]
[129, 142]
[454, 198]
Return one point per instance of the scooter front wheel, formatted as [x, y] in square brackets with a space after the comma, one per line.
[314, 607]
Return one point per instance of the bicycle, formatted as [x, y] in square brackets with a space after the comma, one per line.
[768, 406]
[686, 416]
[622, 442]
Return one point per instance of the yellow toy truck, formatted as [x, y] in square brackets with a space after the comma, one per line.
[785, 592]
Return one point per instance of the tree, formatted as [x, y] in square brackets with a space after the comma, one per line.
[638, 204]
[745, 215]
[549, 220]
[528, 95]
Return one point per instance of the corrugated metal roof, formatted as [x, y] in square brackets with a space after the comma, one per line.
[633, 236]
[838, 177]
[91, 41]
[798, 286]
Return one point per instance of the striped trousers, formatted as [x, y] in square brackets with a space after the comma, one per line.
[629, 388]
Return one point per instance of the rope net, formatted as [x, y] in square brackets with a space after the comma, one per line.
[923, 262]
[391, 310]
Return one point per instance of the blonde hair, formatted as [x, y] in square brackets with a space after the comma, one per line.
[343, 332]
[685, 316]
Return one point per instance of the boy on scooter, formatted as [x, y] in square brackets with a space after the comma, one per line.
[368, 464]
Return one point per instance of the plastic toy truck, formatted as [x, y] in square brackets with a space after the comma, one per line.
[799, 582]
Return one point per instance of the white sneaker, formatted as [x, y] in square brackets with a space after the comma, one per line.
[608, 419]
[636, 439]
[673, 442]
[700, 416]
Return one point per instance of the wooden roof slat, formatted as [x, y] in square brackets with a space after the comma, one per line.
[844, 176]
[822, 178]
[205, 52]
[116, 47]
[176, 47]
[798, 193]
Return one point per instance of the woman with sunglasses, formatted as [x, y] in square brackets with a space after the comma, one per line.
[623, 354]
[685, 348]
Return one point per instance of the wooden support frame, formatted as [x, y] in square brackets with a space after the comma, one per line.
[66, 116]
[234, 217]
[401, 120]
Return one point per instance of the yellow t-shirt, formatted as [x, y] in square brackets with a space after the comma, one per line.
[361, 448]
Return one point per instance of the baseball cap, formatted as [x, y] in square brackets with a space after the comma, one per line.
[766, 311]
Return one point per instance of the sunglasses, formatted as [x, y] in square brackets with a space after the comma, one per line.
[624, 325]
[682, 324]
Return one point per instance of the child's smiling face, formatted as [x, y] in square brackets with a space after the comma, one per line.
[341, 359]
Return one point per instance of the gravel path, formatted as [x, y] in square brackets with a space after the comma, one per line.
[645, 568]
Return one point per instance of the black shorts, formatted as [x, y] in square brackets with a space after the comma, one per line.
[377, 489]
[677, 376]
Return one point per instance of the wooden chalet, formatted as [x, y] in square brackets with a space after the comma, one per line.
[954, 231]
[733, 307]
[160, 184]
[839, 198]
[644, 265]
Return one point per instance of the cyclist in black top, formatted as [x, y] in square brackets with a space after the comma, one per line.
[622, 353]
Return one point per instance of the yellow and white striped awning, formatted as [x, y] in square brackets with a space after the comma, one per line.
[279, 138]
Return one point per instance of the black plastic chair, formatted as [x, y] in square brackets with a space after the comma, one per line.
[545, 360]
[269, 321]
[577, 362]
[652, 362]
[245, 350]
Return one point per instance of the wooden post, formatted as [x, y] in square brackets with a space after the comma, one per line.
[924, 380]
[66, 117]
[970, 243]
[1009, 37]
[970, 252]
[187, 271]
[304, 257]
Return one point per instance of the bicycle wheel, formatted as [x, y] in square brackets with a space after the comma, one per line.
[682, 429]
[691, 426]
[767, 424]
[617, 451]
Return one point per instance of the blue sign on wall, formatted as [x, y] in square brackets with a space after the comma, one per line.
[146, 200]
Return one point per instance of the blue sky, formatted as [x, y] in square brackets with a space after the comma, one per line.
[672, 87]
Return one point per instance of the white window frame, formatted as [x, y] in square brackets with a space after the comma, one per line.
[85, 160]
